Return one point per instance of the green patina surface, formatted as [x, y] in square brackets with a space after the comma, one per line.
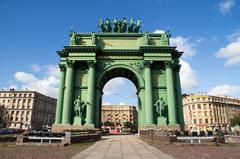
[147, 59]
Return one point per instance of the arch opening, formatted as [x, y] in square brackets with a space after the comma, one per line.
[118, 99]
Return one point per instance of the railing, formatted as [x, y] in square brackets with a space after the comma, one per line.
[45, 138]
[192, 138]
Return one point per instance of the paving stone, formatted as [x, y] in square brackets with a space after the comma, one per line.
[121, 147]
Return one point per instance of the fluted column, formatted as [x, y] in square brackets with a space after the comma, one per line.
[148, 92]
[179, 95]
[58, 117]
[91, 92]
[170, 94]
[67, 102]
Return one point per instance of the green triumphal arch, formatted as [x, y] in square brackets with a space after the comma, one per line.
[92, 59]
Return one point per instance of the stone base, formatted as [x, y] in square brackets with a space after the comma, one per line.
[169, 127]
[162, 121]
[161, 127]
[68, 127]
[148, 126]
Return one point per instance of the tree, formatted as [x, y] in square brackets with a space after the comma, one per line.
[235, 120]
[127, 124]
[108, 123]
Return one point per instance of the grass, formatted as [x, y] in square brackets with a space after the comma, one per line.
[9, 150]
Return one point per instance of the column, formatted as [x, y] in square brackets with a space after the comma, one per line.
[91, 93]
[179, 95]
[170, 94]
[67, 102]
[58, 117]
[148, 92]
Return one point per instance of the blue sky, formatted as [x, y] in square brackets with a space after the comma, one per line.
[208, 31]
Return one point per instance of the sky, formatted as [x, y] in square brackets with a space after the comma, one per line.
[208, 31]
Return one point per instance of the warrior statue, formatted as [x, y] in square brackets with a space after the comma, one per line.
[139, 25]
[124, 25]
[165, 38]
[93, 37]
[131, 25]
[101, 25]
[160, 107]
[80, 109]
[108, 25]
[115, 25]
[73, 38]
[119, 25]
[145, 39]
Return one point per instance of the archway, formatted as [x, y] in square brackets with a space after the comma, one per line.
[109, 74]
[146, 59]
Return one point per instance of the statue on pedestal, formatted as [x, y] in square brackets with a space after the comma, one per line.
[93, 37]
[124, 25]
[160, 107]
[80, 111]
[161, 110]
[73, 38]
[131, 25]
[108, 25]
[115, 25]
[102, 25]
[145, 39]
[165, 38]
[139, 25]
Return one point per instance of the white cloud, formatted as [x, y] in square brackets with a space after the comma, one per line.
[36, 67]
[46, 85]
[225, 89]
[159, 31]
[188, 76]
[112, 87]
[184, 44]
[225, 6]
[232, 51]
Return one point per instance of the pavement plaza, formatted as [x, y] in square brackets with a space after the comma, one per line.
[121, 147]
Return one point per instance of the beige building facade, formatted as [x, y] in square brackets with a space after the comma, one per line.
[26, 109]
[204, 112]
[118, 114]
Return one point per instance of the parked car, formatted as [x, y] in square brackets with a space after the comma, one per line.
[7, 131]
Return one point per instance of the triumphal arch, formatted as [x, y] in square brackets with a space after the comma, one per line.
[119, 50]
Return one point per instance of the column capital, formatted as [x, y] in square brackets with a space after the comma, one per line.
[70, 63]
[91, 63]
[62, 67]
[168, 64]
[147, 64]
[177, 67]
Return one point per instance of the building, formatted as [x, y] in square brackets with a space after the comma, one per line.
[26, 109]
[118, 114]
[204, 112]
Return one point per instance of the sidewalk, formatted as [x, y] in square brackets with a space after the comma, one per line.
[121, 147]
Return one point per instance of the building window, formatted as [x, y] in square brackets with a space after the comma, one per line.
[30, 95]
[194, 121]
[20, 95]
[205, 113]
[198, 99]
[193, 107]
[200, 121]
[199, 106]
[206, 120]
[199, 113]
[204, 106]
[25, 95]
[210, 106]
